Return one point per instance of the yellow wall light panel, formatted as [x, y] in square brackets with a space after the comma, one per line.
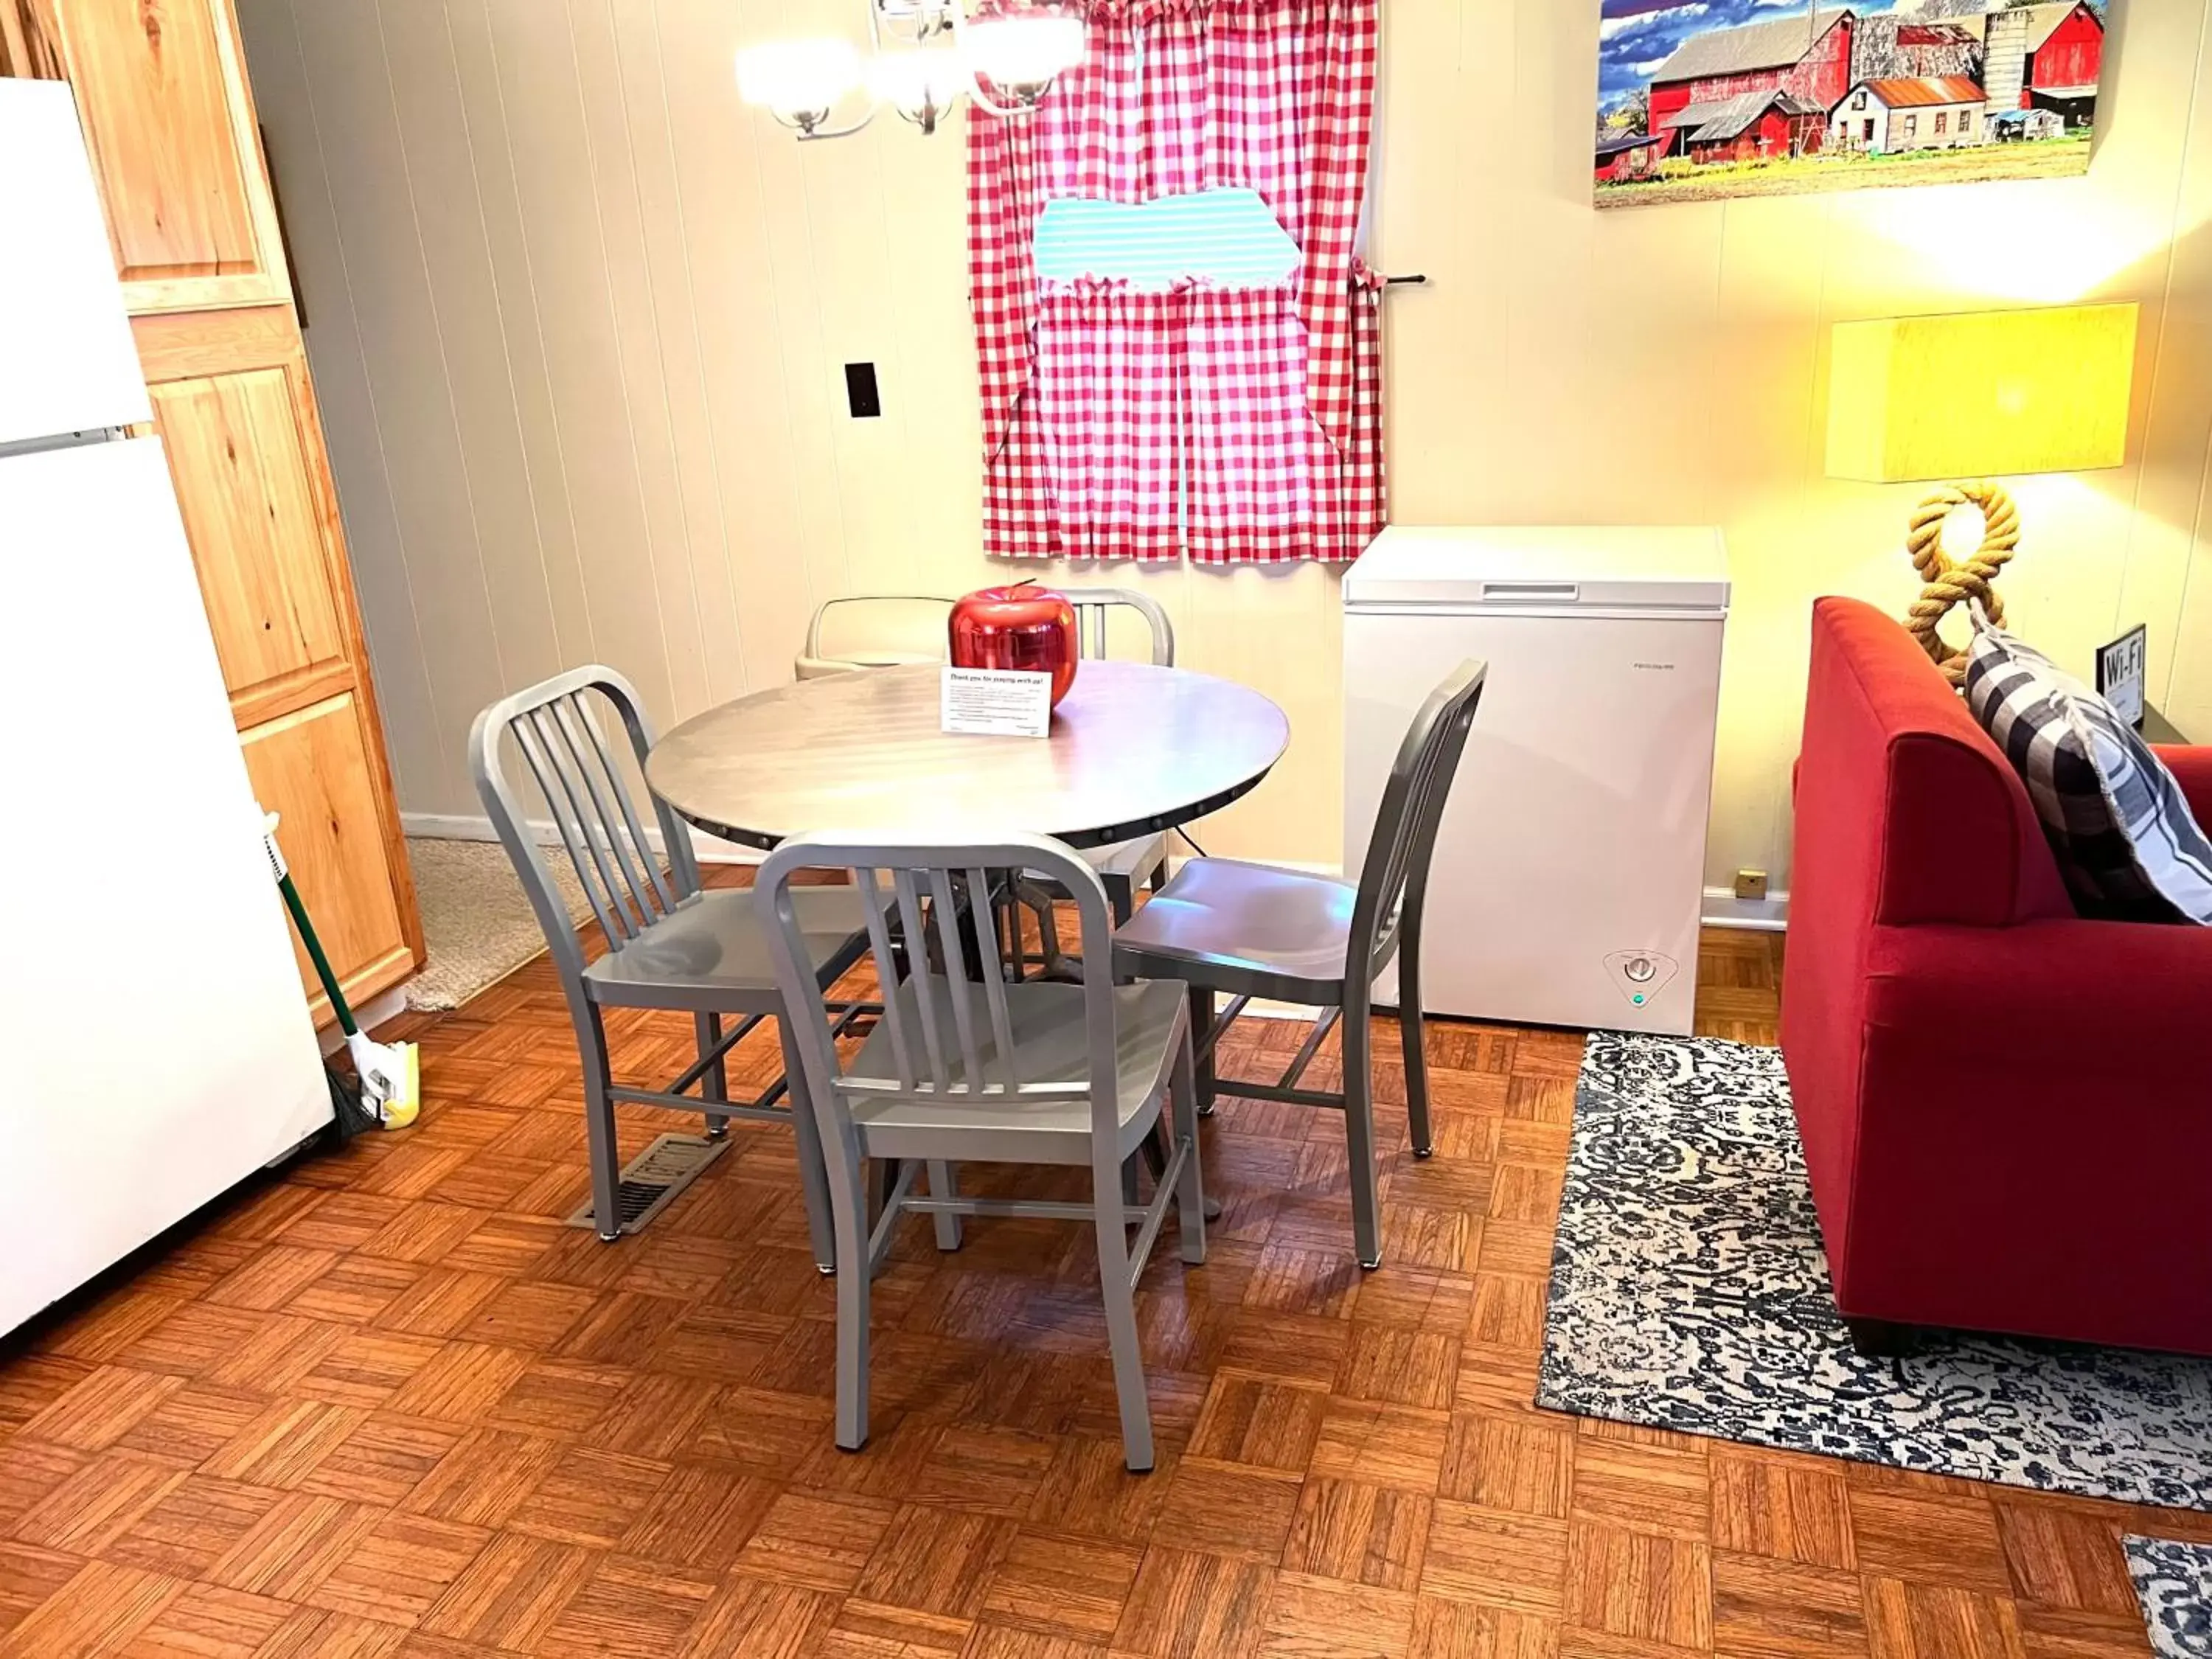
[2001, 393]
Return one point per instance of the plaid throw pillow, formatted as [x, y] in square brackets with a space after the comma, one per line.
[2125, 838]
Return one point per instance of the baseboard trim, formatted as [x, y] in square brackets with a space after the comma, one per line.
[456, 826]
[1724, 909]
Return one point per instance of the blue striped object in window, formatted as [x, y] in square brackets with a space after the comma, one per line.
[1226, 237]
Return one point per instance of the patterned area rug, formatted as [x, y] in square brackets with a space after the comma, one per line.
[1689, 1292]
[2175, 1583]
[478, 925]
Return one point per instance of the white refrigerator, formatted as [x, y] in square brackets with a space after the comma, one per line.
[155, 1045]
[1569, 874]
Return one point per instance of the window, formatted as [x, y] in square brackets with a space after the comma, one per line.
[1912, 126]
[1180, 349]
[1224, 237]
[1859, 101]
[1870, 130]
[1942, 122]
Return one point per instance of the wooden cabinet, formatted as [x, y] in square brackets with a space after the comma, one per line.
[161, 86]
[161, 89]
[235, 409]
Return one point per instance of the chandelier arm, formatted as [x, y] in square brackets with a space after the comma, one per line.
[845, 131]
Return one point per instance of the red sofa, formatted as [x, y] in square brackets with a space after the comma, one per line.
[2006, 1110]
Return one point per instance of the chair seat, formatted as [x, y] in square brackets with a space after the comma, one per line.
[712, 954]
[1131, 860]
[1247, 929]
[1051, 1045]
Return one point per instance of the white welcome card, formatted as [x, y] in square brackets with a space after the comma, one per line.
[991, 703]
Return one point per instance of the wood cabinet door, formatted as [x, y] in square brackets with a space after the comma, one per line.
[312, 767]
[235, 412]
[234, 406]
[161, 86]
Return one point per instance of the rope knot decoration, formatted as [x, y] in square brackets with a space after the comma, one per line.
[1948, 582]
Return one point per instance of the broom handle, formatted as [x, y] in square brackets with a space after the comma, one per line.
[315, 953]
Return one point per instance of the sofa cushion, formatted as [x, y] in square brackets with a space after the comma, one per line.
[2125, 840]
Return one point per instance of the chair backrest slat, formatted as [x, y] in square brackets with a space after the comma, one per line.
[995, 996]
[635, 850]
[575, 836]
[590, 824]
[572, 759]
[1394, 877]
[870, 882]
[955, 970]
[911, 923]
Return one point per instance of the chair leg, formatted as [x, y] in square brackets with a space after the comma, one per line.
[600, 1124]
[813, 1175]
[716, 1085]
[1190, 1190]
[1410, 1035]
[848, 1203]
[1201, 1023]
[1121, 1316]
[1122, 895]
[1359, 1142]
[944, 1183]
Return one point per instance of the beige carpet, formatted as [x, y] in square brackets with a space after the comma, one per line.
[478, 925]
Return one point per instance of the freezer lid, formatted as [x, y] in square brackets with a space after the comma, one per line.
[1608, 566]
[71, 364]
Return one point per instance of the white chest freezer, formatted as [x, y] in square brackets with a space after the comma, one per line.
[1569, 873]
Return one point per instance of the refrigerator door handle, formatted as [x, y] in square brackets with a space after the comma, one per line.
[1532, 593]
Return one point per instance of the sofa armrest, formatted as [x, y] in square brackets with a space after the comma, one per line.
[2116, 1003]
[2192, 770]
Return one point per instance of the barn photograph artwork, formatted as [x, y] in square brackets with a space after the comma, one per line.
[1702, 99]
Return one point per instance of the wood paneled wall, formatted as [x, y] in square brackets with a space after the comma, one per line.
[579, 320]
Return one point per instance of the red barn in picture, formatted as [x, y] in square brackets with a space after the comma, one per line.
[2066, 54]
[1630, 157]
[1758, 126]
[1808, 57]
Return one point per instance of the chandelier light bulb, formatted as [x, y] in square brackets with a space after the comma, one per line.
[1021, 56]
[923, 86]
[799, 81]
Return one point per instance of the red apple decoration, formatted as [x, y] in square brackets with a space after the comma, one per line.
[1022, 628]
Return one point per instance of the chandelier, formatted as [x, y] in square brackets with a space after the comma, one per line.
[925, 56]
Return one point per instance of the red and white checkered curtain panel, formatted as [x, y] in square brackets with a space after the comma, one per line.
[1107, 400]
[1279, 423]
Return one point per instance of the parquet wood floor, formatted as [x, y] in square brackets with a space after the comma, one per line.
[387, 1406]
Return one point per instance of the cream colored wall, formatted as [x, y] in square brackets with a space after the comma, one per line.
[578, 321]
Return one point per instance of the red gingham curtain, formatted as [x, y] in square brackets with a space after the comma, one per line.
[1270, 400]
[1108, 385]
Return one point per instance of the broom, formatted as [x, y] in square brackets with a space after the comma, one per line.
[391, 1091]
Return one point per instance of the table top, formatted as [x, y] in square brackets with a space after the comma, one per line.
[1134, 750]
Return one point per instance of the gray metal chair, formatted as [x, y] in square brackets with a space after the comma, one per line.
[671, 944]
[1126, 865]
[985, 1071]
[1252, 930]
[926, 644]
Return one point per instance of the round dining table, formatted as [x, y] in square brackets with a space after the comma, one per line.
[1133, 749]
